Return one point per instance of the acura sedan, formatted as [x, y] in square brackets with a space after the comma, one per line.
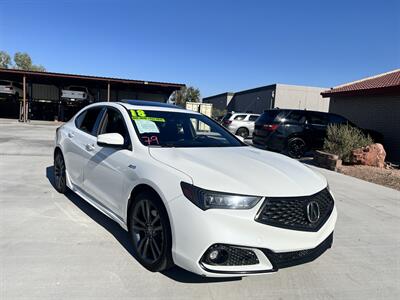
[192, 194]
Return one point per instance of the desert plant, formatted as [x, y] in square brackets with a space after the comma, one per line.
[342, 139]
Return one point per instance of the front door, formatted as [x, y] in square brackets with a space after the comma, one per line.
[108, 167]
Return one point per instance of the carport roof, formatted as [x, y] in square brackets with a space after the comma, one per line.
[53, 75]
[386, 83]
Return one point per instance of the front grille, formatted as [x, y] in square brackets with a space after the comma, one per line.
[291, 212]
[281, 260]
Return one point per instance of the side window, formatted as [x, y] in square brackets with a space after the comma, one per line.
[240, 117]
[336, 119]
[114, 122]
[253, 118]
[296, 117]
[318, 119]
[86, 120]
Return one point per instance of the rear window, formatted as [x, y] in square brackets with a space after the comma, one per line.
[296, 117]
[336, 119]
[240, 117]
[253, 117]
[2, 82]
[87, 119]
[77, 88]
[318, 119]
[270, 116]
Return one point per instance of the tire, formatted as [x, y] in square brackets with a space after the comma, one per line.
[296, 147]
[243, 132]
[60, 177]
[150, 232]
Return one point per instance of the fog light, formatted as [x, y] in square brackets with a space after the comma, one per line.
[214, 254]
[226, 255]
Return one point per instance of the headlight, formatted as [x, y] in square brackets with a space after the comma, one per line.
[210, 199]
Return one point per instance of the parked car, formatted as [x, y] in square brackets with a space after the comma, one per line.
[200, 199]
[241, 124]
[10, 89]
[296, 131]
[75, 93]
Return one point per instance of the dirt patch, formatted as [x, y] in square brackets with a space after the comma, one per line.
[386, 177]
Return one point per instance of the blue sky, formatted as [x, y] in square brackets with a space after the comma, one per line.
[215, 45]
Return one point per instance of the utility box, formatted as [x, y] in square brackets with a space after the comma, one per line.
[203, 108]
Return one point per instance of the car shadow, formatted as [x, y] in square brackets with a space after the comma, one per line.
[122, 236]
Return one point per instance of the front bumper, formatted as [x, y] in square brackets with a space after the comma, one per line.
[274, 247]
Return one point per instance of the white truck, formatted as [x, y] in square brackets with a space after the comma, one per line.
[75, 93]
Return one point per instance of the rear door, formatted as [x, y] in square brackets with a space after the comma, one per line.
[79, 142]
[251, 121]
[108, 166]
[316, 128]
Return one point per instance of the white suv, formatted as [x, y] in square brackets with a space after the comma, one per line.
[192, 194]
[241, 124]
[11, 89]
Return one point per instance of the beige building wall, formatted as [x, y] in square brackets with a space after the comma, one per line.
[380, 113]
[300, 97]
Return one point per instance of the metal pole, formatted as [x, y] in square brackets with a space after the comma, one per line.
[108, 92]
[24, 119]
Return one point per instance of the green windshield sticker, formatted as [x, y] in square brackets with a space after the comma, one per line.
[141, 115]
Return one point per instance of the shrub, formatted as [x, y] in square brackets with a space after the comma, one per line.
[341, 139]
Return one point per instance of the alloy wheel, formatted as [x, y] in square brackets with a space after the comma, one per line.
[148, 233]
[59, 173]
[296, 148]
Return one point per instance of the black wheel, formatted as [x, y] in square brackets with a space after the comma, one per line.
[150, 231]
[243, 132]
[60, 179]
[296, 147]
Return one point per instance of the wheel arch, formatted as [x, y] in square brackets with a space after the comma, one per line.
[243, 127]
[57, 149]
[143, 187]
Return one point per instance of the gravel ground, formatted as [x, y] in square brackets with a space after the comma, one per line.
[386, 177]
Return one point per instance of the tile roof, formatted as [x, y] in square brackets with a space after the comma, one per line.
[389, 81]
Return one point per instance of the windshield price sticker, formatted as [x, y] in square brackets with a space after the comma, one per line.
[146, 126]
[141, 115]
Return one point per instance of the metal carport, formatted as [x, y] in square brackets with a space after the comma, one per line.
[41, 96]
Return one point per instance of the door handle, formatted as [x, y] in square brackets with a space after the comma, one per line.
[89, 147]
[71, 135]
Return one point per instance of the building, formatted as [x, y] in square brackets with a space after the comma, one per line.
[43, 93]
[372, 103]
[271, 96]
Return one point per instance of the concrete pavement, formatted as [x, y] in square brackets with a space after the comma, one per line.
[58, 247]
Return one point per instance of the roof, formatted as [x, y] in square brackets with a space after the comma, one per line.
[152, 106]
[149, 103]
[219, 95]
[38, 74]
[388, 82]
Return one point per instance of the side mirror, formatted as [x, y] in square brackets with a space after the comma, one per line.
[240, 138]
[110, 140]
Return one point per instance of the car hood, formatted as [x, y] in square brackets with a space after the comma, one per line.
[242, 170]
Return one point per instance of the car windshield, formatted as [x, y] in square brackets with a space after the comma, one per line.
[175, 129]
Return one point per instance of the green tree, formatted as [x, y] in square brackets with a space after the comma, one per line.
[186, 94]
[23, 61]
[5, 60]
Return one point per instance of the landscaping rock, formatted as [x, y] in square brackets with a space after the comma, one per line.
[373, 155]
[327, 160]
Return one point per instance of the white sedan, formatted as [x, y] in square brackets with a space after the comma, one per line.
[192, 194]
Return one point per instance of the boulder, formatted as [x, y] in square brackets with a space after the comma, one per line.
[373, 155]
[327, 160]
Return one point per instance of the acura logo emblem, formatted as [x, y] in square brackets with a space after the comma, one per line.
[313, 212]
